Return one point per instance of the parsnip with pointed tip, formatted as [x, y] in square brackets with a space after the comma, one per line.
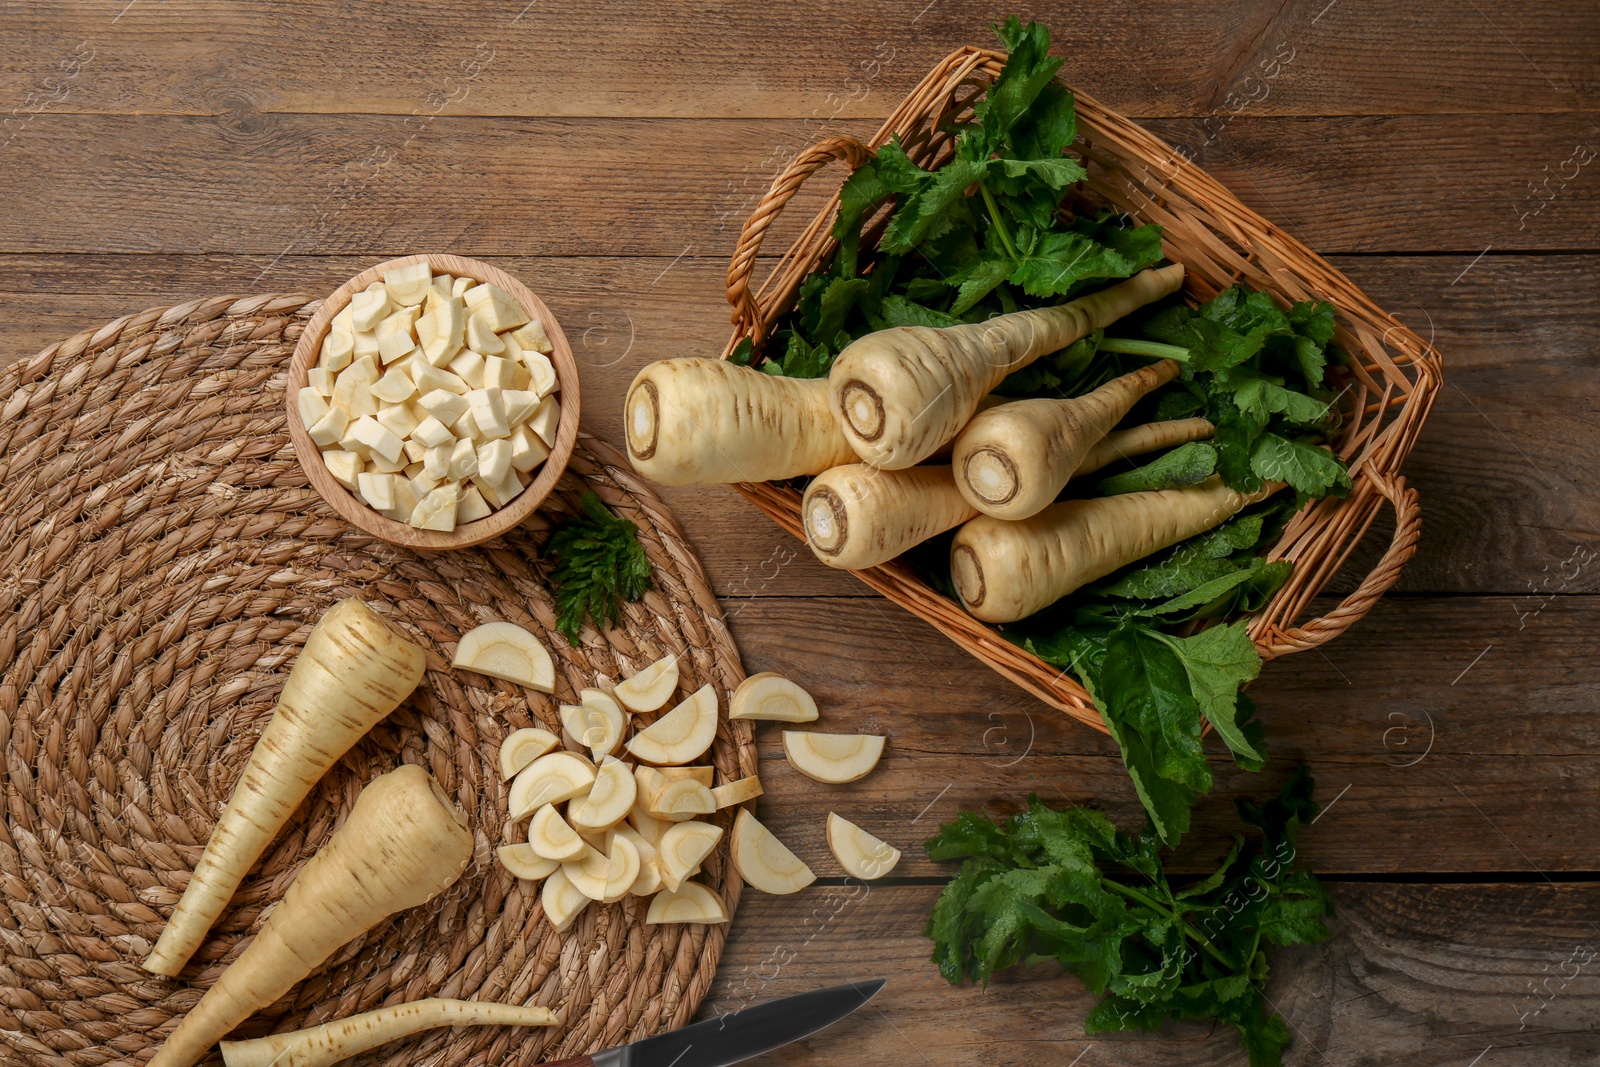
[1013, 460]
[1146, 437]
[353, 671]
[403, 844]
[1004, 571]
[898, 394]
[699, 421]
[330, 1043]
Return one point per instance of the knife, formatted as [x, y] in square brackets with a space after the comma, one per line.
[738, 1035]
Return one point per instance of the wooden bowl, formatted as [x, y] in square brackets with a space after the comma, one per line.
[346, 503]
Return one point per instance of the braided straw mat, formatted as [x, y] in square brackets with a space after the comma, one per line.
[164, 560]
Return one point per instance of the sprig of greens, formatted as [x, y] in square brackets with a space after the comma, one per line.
[1068, 885]
[599, 564]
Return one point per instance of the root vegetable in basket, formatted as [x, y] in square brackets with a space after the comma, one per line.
[901, 393]
[1013, 460]
[403, 844]
[1005, 571]
[353, 671]
[704, 421]
[320, 1046]
[858, 516]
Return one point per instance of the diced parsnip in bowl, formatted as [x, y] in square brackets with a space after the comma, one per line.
[433, 399]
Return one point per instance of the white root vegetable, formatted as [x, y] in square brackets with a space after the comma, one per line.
[737, 792]
[596, 723]
[858, 516]
[702, 774]
[506, 651]
[652, 687]
[764, 861]
[682, 798]
[1004, 571]
[353, 671]
[649, 879]
[899, 394]
[333, 1042]
[606, 875]
[683, 848]
[607, 801]
[562, 901]
[771, 696]
[692, 903]
[701, 421]
[523, 862]
[682, 734]
[858, 852]
[522, 747]
[1146, 437]
[551, 837]
[550, 779]
[1013, 460]
[832, 758]
[403, 844]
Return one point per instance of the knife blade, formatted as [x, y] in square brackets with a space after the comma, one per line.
[738, 1035]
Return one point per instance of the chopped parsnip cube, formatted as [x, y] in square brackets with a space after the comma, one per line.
[468, 365]
[436, 461]
[488, 413]
[379, 465]
[541, 372]
[440, 286]
[321, 379]
[344, 321]
[431, 432]
[311, 404]
[472, 507]
[494, 460]
[482, 339]
[363, 372]
[501, 311]
[408, 284]
[444, 405]
[368, 308]
[377, 437]
[338, 348]
[437, 510]
[399, 419]
[545, 420]
[503, 374]
[377, 490]
[465, 429]
[440, 330]
[366, 344]
[527, 451]
[330, 428]
[353, 392]
[498, 493]
[458, 286]
[422, 482]
[415, 450]
[463, 459]
[476, 294]
[396, 336]
[405, 500]
[520, 404]
[530, 337]
[430, 378]
[395, 387]
[344, 466]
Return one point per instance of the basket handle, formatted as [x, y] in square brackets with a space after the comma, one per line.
[1402, 546]
[847, 150]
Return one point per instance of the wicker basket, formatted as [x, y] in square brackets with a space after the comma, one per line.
[1389, 385]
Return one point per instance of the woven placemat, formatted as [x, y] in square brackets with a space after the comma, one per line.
[163, 561]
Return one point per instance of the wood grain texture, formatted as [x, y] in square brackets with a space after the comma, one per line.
[816, 57]
[1424, 975]
[270, 184]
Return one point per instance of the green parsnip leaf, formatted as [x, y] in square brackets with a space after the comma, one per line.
[1188, 464]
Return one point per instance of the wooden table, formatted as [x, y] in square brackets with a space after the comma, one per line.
[1443, 154]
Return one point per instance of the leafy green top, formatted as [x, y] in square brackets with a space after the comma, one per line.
[1068, 885]
[599, 564]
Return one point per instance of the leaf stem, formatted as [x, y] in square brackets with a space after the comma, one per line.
[1156, 906]
[1134, 347]
[997, 220]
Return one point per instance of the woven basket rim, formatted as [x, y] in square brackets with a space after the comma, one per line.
[1394, 374]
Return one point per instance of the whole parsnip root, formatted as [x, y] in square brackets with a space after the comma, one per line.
[705, 421]
[332, 1042]
[403, 844]
[353, 671]
[1013, 460]
[900, 393]
[1146, 437]
[1004, 571]
[858, 516]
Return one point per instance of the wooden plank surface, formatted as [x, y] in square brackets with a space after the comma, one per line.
[151, 153]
